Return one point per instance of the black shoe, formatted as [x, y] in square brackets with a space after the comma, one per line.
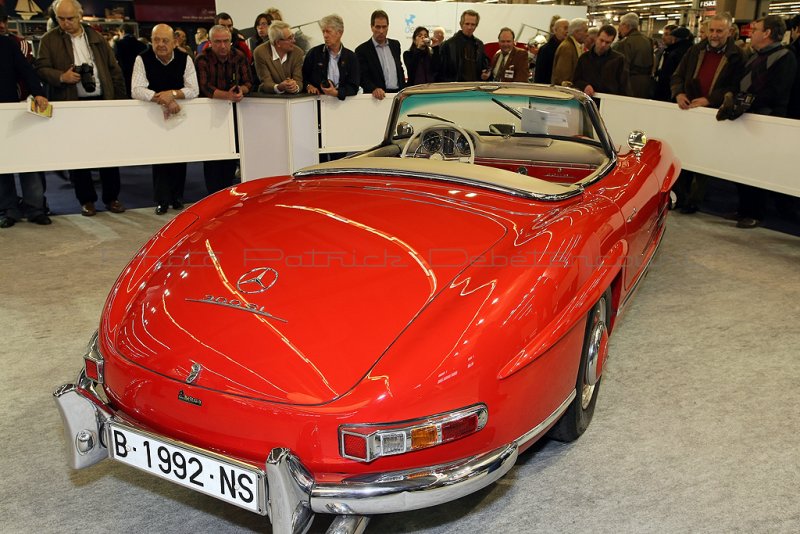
[41, 219]
[177, 204]
[7, 222]
[689, 209]
[161, 209]
[747, 222]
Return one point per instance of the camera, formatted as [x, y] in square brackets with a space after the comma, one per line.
[326, 84]
[734, 105]
[86, 73]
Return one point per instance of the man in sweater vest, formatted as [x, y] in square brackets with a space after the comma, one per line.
[165, 75]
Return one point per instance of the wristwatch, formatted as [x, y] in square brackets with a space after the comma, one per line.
[174, 93]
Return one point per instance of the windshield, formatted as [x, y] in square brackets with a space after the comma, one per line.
[500, 112]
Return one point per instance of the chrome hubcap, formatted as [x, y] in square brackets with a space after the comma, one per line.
[598, 336]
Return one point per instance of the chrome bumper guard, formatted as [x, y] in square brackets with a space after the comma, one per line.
[293, 494]
[83, 422]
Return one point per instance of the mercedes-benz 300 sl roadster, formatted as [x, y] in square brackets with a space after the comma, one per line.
[383, 332]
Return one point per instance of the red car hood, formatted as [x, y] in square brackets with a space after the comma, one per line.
[293, 294]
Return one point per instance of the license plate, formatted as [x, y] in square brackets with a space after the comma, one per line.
[203, 471]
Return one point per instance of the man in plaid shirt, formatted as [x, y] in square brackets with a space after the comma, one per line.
[224, 73]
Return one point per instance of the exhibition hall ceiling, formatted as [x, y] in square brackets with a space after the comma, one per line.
[662, 10]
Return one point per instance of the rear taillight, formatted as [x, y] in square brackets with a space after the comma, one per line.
[93, 361]
[370, 441]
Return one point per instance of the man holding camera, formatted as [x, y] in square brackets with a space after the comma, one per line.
[330, 68]
[77, 63]
[768, 77]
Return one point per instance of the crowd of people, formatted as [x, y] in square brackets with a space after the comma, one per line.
[74, 62]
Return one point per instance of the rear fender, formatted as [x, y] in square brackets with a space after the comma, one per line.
[591, 291]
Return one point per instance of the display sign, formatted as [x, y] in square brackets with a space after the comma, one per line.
[199, 11]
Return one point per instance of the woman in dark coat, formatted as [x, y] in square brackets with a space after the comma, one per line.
[420, 58]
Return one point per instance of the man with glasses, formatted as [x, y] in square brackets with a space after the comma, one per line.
[164, 74]
[63, 53]
[279, 62]
[223, 19]
[768, 77]
[224, 73]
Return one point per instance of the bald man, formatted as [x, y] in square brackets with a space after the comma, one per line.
[164, 75]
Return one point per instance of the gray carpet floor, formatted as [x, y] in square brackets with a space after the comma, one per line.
[696, 427]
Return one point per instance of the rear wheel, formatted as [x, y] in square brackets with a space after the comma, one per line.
[595, 350]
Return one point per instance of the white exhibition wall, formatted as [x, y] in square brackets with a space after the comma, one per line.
[525, 19]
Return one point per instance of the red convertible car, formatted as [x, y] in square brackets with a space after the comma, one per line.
[384, 332]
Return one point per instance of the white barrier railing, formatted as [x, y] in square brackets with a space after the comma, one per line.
[280, 135]
[277, 135]
[96, 133]
[753, 149]
[353, 124]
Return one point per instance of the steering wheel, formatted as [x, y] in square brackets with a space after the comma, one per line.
[442, 127]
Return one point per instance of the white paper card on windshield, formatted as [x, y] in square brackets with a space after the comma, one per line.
[534, 121]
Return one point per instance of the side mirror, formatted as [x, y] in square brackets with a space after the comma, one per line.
[404, 129]
[505, 130]
[636, 140]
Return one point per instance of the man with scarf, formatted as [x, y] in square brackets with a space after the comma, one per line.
[768, 76]
[462, 58]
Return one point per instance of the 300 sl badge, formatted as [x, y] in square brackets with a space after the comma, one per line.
[237, 304]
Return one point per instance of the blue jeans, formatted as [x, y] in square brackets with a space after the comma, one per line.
[32, 195]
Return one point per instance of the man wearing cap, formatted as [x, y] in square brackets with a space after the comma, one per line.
[678, 41]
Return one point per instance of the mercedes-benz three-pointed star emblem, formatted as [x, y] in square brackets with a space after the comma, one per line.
[257, 280]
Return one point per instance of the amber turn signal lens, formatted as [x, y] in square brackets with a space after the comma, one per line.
[424, 437]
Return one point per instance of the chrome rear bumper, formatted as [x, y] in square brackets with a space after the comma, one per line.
[293, 494]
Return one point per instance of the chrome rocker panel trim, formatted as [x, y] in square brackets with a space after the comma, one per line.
[294, 496]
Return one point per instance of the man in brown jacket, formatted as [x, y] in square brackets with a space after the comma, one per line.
[77, 63]
[509, 64]
[569, 51]
[706, 72]
[279, 62]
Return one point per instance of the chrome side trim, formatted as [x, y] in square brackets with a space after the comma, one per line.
[542, 427]
[643, 273]
[415, 488]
